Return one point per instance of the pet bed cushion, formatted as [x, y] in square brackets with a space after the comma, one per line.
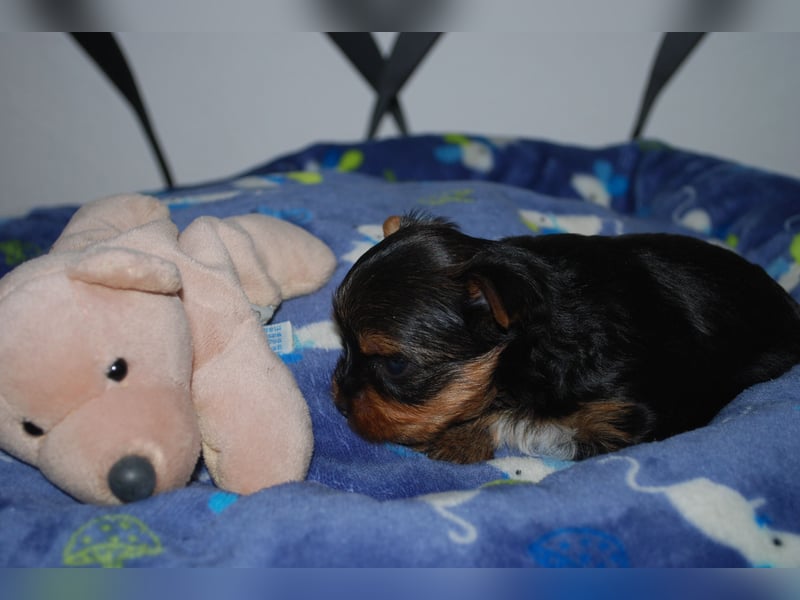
[722, 495]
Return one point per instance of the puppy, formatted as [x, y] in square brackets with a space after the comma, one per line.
[562, 345]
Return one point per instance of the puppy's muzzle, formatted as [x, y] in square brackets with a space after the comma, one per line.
[340, 400]
[343, 408]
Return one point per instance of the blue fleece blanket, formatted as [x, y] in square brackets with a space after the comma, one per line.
[723, 495]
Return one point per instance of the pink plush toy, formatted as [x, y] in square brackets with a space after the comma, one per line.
[129, 348]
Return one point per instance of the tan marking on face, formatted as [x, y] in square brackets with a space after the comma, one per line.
[375, 343]
[384, 419]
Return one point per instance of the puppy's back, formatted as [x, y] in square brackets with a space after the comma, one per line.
[684, 324]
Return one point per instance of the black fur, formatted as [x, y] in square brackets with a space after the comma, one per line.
[674, 325]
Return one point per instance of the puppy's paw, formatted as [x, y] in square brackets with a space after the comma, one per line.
[608, 425]
[463, 443]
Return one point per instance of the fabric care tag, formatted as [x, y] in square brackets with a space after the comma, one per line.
[280, 337]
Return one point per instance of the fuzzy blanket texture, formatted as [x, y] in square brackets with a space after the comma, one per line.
[723, 495]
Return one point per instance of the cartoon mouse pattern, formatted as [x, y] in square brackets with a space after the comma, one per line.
[722, 514]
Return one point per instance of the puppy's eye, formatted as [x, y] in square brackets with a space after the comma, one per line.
[118, 370]
[32, 429]
[395, 365]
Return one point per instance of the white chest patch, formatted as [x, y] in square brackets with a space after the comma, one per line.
[547, 439]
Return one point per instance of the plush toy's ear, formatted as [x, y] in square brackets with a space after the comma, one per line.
[126, 269]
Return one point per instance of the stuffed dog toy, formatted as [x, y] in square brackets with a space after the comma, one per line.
[129, 350]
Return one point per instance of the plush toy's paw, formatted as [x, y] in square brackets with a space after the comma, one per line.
[272, 259]
[254, 422]
[298, 261]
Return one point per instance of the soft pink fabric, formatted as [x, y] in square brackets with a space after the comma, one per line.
[121, 283]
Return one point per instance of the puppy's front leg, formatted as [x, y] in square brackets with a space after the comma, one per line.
[463, 443]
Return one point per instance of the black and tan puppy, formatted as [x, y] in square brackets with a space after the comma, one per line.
[562, 345]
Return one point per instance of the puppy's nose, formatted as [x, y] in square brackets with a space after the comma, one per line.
[341, 404]
[132, 478]
[343, 408]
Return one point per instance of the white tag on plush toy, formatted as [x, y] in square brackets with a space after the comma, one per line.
[280, 337]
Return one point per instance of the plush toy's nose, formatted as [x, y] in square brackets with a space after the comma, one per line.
[132, 478]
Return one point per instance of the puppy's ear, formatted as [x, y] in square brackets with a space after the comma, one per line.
[482, 293]
[394, 223]
[391, 225]
[506, 284]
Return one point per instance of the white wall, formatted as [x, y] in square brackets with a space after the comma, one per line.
[223, 102]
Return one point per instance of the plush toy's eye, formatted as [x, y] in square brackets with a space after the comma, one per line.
[32, 429]
[118, 370]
